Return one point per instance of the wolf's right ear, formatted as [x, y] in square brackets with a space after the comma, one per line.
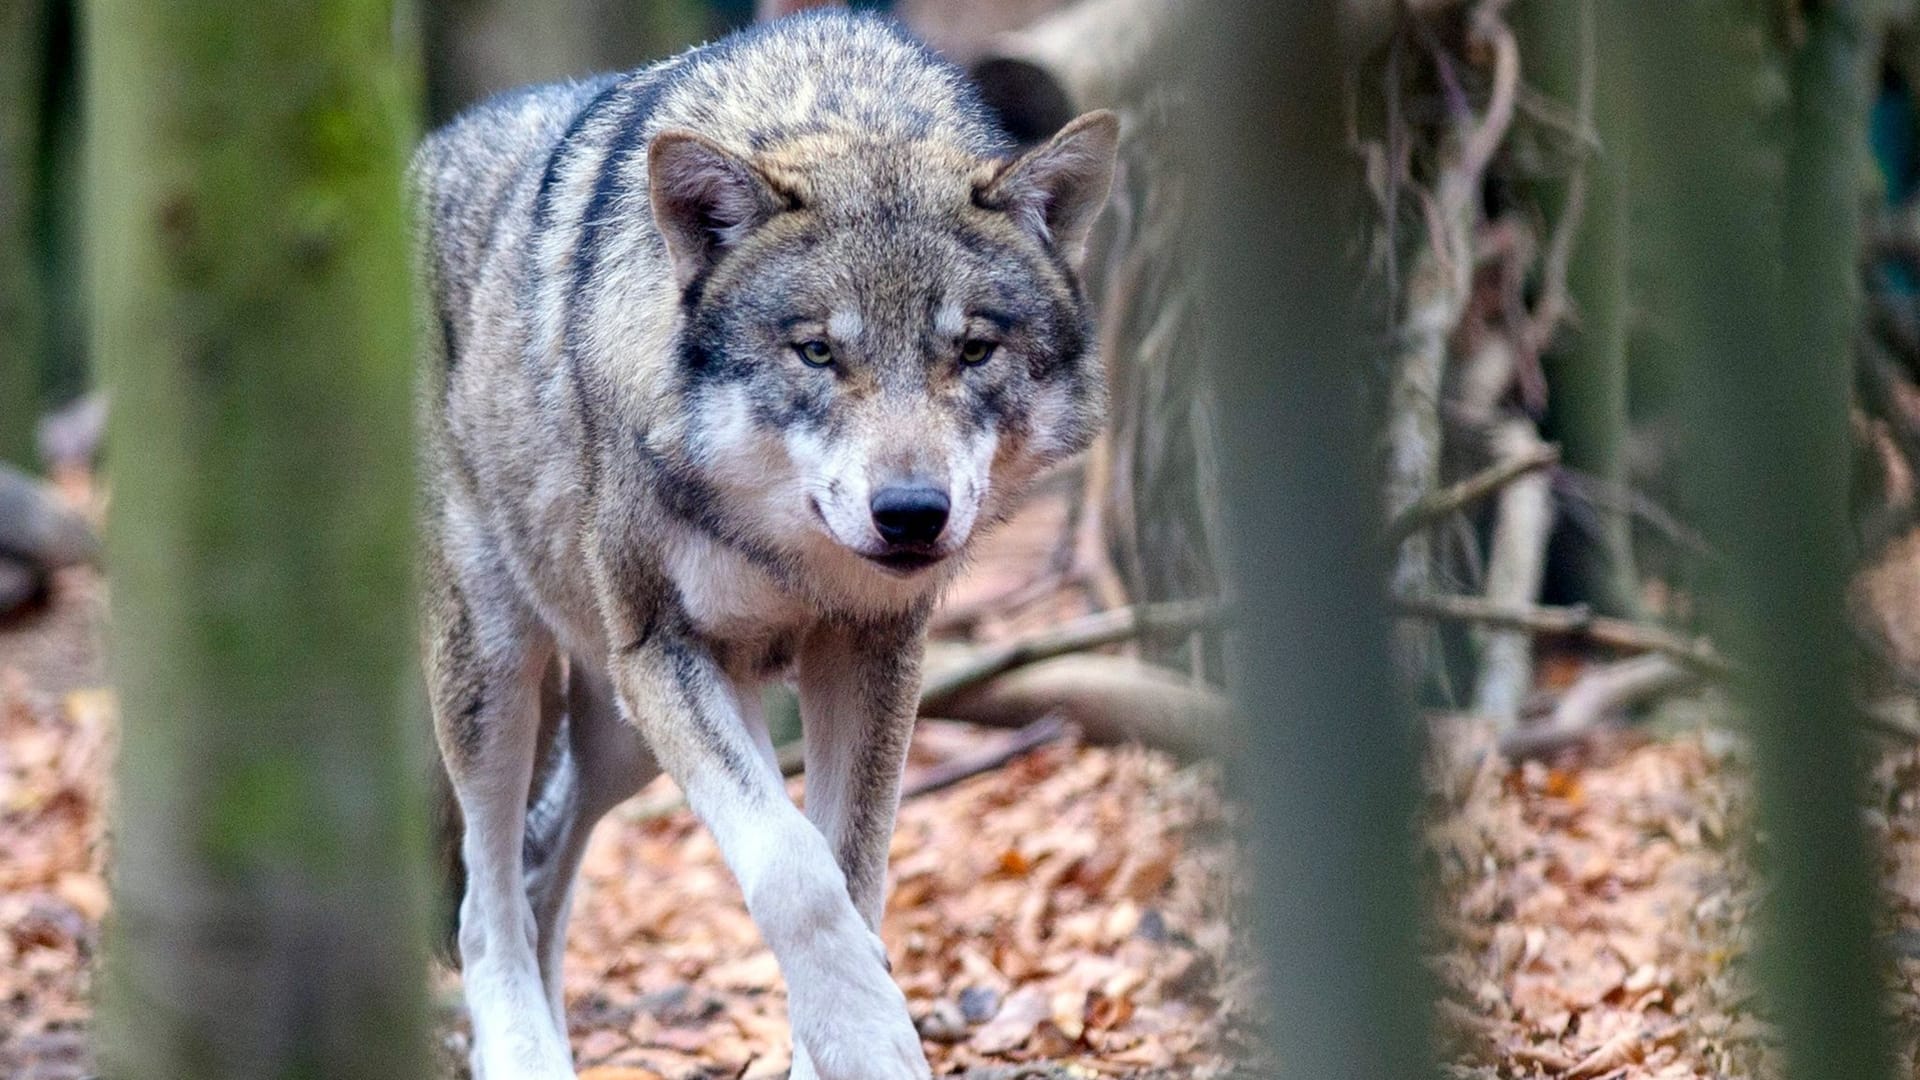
[705, 198]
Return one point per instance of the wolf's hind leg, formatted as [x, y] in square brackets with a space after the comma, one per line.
[485, 658]
[600, 761]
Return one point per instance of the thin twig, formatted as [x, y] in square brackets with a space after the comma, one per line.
[1571, 621]
[1464, 493]
[1553, 304]
[1047, 729]
[1093, 631]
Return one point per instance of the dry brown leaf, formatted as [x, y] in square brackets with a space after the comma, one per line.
[1020, 1014]
[1625, 1048]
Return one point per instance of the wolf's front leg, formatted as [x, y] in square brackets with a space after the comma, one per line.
[844, 1006]
[859, 689]
[858, 692]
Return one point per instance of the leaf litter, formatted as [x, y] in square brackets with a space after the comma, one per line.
[1071, 914]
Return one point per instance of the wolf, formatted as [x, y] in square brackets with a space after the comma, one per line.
[732, 359]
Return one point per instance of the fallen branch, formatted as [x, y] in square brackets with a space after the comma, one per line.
[1023, 741]
[1093, 631]
[1572, 621]
[1897, 718]
[1112, 700]
[1598, 696]
[1464, 493]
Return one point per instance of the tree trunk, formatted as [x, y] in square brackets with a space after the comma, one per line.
[1588, 370]
[478, 48]
[23, 25]
[1760, 306]
[253, 316]
[1324, 759]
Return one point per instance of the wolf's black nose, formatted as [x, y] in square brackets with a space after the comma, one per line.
[909, 515]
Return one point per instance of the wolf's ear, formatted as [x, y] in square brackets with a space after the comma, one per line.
[1058, 189]
[704, 197]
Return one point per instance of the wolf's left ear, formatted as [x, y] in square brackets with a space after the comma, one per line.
[705, 198]
[1057, 190]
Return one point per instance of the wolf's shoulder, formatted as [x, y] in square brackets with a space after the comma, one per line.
[490, 138]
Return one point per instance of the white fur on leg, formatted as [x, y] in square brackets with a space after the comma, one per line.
[845, 1008]
[802, 1064]
[515, 1036]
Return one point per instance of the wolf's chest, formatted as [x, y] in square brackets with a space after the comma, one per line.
[727, 597]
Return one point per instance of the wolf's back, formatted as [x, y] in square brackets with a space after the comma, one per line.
[466, 176]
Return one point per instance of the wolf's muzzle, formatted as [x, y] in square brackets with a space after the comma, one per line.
[910, 516]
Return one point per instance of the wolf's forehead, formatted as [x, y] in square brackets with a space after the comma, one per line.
[891, 261]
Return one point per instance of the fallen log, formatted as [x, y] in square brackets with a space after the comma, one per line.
[37, 531]
[1113, 700]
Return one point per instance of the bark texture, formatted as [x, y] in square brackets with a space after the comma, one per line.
[253, 313]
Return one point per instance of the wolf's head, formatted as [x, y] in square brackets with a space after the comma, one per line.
[883, 341]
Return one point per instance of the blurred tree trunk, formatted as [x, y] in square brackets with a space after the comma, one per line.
[23, 27]
[1761, 304]
[1588, 372]
[250, 242]
[478, 48]
[1324, 757]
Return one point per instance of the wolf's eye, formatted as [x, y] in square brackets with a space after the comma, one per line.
[815, 353]
[974, 352]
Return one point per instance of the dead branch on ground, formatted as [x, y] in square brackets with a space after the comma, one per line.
[1568, 621]
[1596, 698]
[1091, 632]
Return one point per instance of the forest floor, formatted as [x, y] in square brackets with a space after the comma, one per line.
[1066, 915]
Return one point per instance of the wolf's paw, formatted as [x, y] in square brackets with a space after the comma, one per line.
[522, 1053]
[520, 1067]
[867, 1036]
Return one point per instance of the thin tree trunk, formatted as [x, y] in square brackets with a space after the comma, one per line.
[1325, 757]
[1516, 564]
[1761, 283]
[1588, 369]
[253, 313]
[23, 25]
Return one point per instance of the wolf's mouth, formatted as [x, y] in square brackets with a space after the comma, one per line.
[907, 561]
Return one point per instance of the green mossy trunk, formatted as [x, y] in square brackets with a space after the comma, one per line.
[249, 240]
[23, 25]
[1325, 757]
[1758, 247]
